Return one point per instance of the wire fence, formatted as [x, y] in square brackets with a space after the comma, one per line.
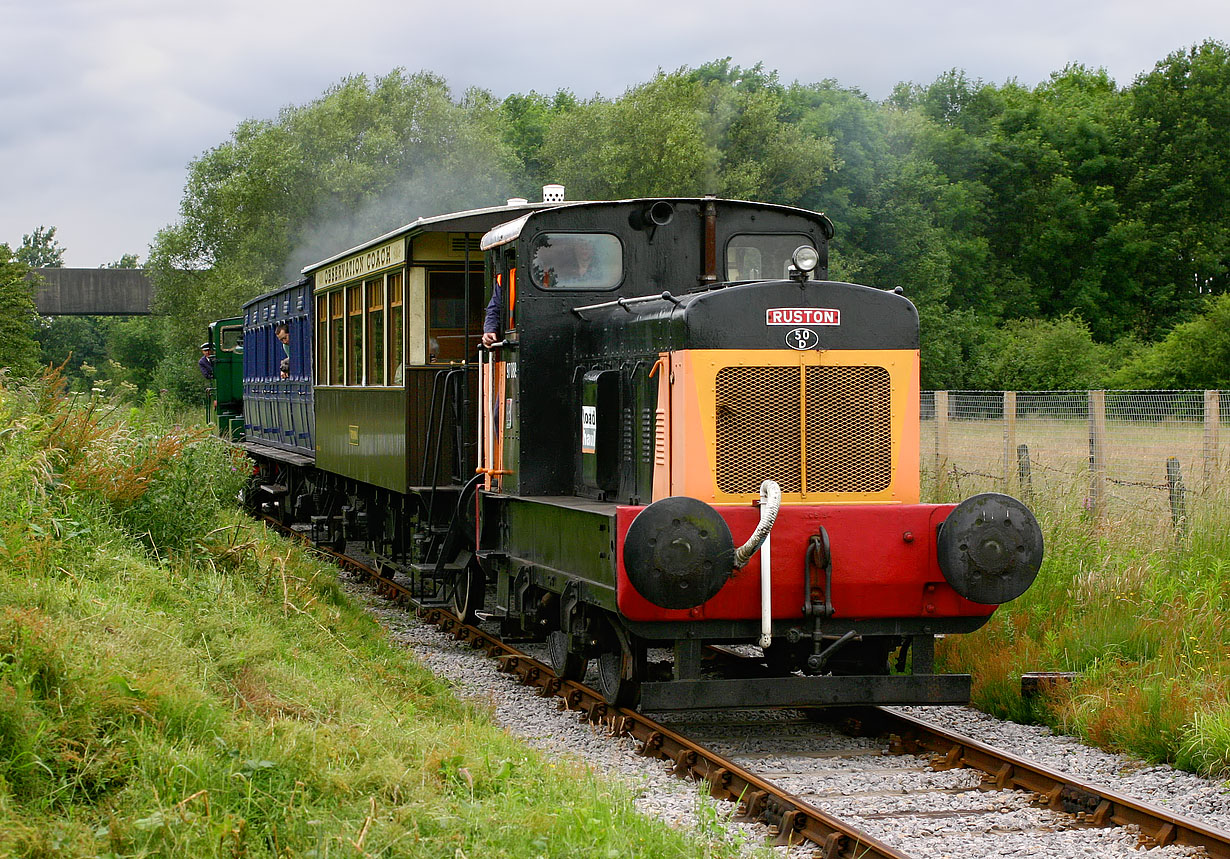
[1148, 458]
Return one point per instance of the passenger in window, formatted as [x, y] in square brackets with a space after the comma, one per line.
[580, 264]
[282, 332]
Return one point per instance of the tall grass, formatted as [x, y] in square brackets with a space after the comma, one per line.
[1138, 613]
[176, 682]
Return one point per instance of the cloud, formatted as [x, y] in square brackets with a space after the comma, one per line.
[106, 101]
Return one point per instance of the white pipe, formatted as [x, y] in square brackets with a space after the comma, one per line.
[482, 392]
[770, 503]
[766, 599]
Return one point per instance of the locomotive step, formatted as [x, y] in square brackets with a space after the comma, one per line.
[276, 490]
[429, 569]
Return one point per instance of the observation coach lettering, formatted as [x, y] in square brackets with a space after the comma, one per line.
[360, 265]
[606, 474]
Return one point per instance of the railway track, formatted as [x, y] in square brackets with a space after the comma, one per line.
[870, 782]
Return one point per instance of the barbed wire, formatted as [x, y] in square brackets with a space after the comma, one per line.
[1118, 448]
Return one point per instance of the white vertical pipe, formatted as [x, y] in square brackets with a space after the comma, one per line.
[766, 599]
[482, 392]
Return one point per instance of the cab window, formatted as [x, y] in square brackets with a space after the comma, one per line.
[576, 261]
[762, 257]
[230, 338]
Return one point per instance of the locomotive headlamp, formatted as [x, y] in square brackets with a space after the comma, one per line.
[805, 259]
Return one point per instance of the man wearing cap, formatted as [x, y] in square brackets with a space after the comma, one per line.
[206, 364]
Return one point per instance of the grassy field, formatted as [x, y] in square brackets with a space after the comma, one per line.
[1134, 605]
[1134, 489]
[176, 682]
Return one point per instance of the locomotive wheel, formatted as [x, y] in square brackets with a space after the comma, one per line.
[621, 665]
[566, 663]
[469, 592]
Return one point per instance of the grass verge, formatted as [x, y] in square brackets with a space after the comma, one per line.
[176, 682]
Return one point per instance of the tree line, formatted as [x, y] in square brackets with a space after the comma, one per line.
[1071, 234]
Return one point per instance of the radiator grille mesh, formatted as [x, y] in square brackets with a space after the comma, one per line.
[758, 428]
[763, 415]
[849, 429]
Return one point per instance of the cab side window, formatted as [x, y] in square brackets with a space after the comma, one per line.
[576, 261]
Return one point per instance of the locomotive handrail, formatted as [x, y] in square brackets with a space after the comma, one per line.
[624, 302]
[771, 495]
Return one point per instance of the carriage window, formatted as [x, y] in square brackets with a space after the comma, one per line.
[375, 331]
[322, 338]
[396, 337]
[337, 338]
[576, 261]
[354, 335]
[761, 257]
[447, 314]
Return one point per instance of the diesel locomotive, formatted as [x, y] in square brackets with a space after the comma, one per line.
[689, 462]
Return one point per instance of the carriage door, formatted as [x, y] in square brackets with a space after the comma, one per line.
[448, 316]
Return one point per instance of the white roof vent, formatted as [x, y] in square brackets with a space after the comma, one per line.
[553, 193]
[517, 201]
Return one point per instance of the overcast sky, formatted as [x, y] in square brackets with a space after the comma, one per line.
[104, 102]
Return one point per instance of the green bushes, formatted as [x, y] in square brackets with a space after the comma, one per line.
[1195, 354]
[184, 499]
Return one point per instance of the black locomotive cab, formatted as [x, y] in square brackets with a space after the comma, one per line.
[570, 276]
[669, 370]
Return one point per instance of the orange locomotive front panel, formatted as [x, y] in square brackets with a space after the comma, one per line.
[830, 426]
[884, 565]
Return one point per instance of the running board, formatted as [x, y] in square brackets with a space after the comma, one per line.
[827, 691]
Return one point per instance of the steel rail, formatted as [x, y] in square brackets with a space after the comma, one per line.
[791, 818]
[1096, 805]
[794, 819]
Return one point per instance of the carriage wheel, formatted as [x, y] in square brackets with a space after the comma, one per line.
[469, 591]
[565, 662]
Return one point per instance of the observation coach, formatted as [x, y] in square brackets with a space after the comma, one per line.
[689, 460]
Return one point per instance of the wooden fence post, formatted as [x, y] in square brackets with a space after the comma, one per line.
[941, 442]
[1178, 495]
[1097, 453]
[1010, 454]
[1024, 474]
[1212, 424]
